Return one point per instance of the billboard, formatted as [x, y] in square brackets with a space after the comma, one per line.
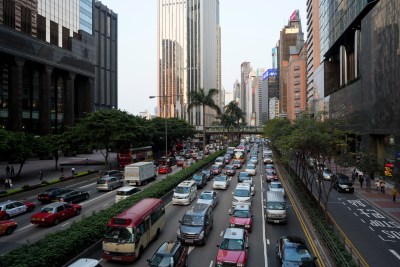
[270, 73]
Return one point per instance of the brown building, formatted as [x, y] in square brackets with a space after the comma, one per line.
[291, 35]
[297, 81]
[313, 54]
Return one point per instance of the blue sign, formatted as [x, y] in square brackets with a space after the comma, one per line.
[270, 73]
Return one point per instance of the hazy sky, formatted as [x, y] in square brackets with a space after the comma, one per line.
[249, 29]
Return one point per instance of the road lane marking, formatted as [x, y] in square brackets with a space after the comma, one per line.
[263, 227]
[222, 233]
[395, 253]
[211, 264]
[362, 220]
[386, 240]
[349, 208]
[20, 229]
[65, 224]
[355, 214]
[105, 205]
[87, 185]
[372, 229]
[267, 241]
[93, 199]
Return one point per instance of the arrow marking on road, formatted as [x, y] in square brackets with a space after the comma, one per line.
[395, 253]
[190, 249]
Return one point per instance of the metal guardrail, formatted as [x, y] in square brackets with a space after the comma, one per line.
[220, 129]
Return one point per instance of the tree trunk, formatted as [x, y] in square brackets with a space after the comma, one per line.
[20, 168]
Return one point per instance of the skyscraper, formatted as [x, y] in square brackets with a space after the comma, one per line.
[245, 69]
[106, 35]
[47, 64]
[189, 55]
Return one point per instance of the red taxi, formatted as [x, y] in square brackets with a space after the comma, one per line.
[216, 169]
[270, 175]
[229, 170]
[241, 217]
[55, 213]
[7, 227]
[234, 248]
[163, 169]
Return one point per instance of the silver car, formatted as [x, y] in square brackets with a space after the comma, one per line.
[109, 183]
[277, 186]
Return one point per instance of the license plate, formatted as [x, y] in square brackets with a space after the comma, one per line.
[276, 221]
[347, 189]
[116, 258]
[189, 241]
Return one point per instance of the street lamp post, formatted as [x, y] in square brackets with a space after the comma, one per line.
[166, 132]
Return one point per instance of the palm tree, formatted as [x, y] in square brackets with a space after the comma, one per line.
[226, 121]
[233, 109]
[200, 98]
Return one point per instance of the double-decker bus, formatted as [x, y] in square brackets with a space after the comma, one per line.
[129, 233]
[129, 156]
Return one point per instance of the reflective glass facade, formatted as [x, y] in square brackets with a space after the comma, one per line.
[336, 16]
[85, 15]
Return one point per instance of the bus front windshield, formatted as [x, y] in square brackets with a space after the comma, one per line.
[119, 235]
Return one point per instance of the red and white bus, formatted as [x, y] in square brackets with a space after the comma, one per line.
[129, 156]
[129, 233]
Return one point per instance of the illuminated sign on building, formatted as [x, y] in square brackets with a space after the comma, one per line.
[389, 169]
[270, 73]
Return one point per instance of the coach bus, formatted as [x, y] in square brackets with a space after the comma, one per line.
[129, 233]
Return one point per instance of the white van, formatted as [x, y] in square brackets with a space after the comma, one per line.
[275, 207]
[125, 192]
[185, 193]
[85, 262]
[242, 194]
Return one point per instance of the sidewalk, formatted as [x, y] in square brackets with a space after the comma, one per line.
[381, 201]
[30, 171]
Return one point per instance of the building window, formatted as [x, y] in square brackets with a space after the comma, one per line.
[9, 13]
[57, 105]
[4, 96]
[66, 40]
[26, 24]
[41, 27]
[53, 32]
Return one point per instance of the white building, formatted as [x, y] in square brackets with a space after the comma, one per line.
[273, 108]
[189, 55]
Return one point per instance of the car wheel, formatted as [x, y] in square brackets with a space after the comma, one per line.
[204, 240]
[78, 211]
[157, 234]
[10, 230]
[87, 197]
[111, 188]
[56, 221]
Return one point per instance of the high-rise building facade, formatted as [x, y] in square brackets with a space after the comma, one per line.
[360, 52]
[106, 36]
[313, 53]
[46, 64]
[290, 35]
[189, 56]
[236, 91]
[245, 69]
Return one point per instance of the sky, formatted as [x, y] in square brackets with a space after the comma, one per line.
[249, 30]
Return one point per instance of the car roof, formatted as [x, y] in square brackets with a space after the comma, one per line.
[234, 233]
[168, 247]
[187, 183]
[242, 207]
[55, 204]
[243, 185]
[8, 202]
[207, 192]
[293, 240]
[198, 209]
[276, 182]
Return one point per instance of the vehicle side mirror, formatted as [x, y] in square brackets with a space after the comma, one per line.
[247, 247]
[264, 207]
[217, 246]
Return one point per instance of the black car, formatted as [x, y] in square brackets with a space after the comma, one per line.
[50, 195]
[243, 176]
[72, 196]
[343, 183]
[208, 174]
[293, 251]
[170, 253]
[200, 179]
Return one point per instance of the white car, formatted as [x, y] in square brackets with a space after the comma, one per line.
[277, 186]
[250, 182]
[221, 182]
[251, 169]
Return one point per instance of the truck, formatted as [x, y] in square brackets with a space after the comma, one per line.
[140, 173]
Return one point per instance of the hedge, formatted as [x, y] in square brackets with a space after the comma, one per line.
[56, 249]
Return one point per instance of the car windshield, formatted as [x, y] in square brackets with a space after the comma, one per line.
[242, 192]
[47, 210]
[271, 173]
[241, 213]
[119, 235]
[250, 167]
[101, 181]
[220, 178]
[229, 167]
[276, 185]
[192, 220]
[243, 174]
[215, 167]
[182, 190]
[206, 171]
[275, 205]
[344, 180]
[236, 162]
[197, 177]
[206, 196]
[232, 244]
[160, 260]
[296, 254]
